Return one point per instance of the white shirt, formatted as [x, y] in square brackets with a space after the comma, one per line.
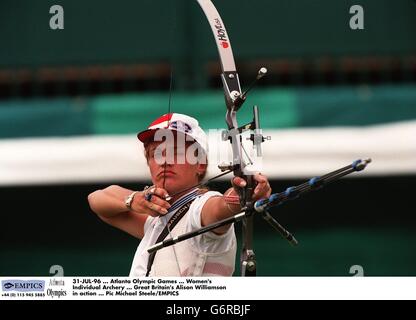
[207, 243]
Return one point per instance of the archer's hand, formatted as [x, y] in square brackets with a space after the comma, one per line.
[262, 189]
[156, 206]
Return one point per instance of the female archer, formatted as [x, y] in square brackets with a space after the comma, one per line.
[173, 206]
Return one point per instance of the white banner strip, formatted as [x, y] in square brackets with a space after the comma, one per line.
[289, 154]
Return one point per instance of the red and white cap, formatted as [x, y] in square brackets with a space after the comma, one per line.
[176, 122]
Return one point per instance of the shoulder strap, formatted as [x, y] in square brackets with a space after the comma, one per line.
[173, 221]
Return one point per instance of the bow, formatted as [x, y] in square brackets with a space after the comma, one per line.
[234, 98]
[241, 167]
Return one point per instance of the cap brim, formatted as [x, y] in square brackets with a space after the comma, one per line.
[146, 134]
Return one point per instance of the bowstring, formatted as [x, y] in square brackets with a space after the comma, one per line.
[169, 111]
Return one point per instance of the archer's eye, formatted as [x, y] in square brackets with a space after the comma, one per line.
[151, 153]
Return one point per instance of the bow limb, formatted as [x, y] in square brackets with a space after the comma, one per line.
[233, 101]
[229, 74]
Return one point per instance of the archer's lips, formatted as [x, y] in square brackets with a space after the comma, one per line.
[167, 173]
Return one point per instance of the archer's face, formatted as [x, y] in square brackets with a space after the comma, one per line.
[173, 167]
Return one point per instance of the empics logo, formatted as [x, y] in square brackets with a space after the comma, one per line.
[221, 34]
[8, 285]
[23, 285]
